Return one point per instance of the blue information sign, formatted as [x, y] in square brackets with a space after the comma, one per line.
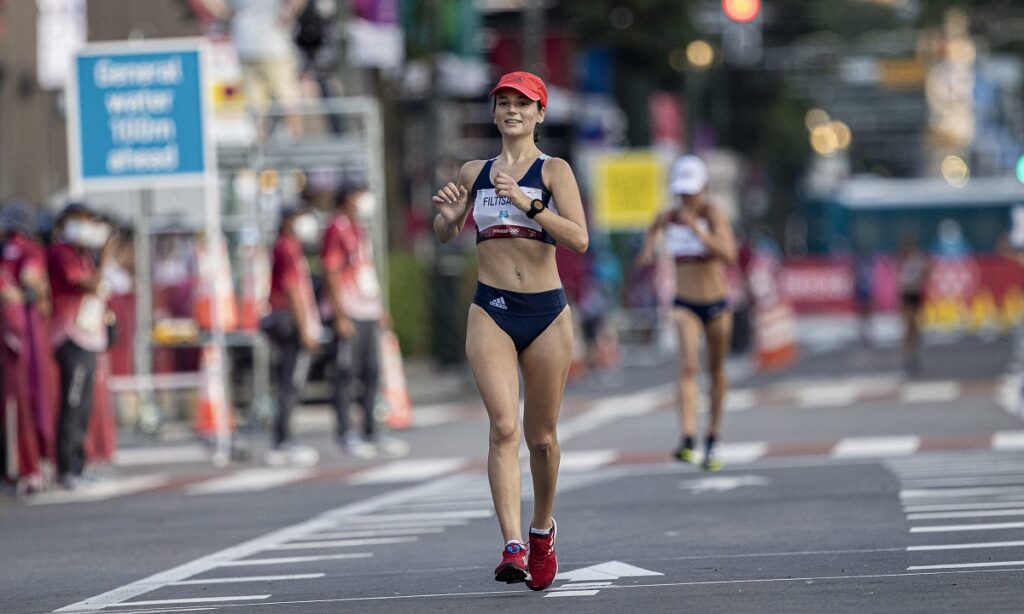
[138, 117]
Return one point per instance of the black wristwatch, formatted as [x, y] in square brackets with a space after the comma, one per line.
[536, 206]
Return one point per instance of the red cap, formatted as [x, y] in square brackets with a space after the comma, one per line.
[527, 84]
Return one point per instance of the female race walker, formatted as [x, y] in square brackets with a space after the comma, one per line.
[519, 318]
[698, 235]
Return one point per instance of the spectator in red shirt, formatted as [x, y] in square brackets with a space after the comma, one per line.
[293, 327]
[354, 305]
[78, 331]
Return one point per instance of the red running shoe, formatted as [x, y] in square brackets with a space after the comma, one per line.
[543, 563]
[513, 564]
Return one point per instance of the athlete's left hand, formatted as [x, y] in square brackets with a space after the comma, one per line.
[687, 218]
[505, 186]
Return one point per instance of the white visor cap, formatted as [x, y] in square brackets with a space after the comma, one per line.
[689, 175]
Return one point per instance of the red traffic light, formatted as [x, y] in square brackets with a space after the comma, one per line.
[741, 11]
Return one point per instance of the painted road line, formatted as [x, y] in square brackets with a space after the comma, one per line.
[1008, 440]
[284, 560]
[132, 604]
[344, 543]
[973, 514]
[299, 576]
[249, 480]
[740, 400]
[965, 546]
[580, 585]
[739, 453]
[161, 455]
[587, 460]
[977, 480]
[615, 408]
[948, 528]
[929, 392]
[957, 493]
[966, 565]
[871, 447]
[424, 517]
[954, 507]
[827, 396]
[412, 470]
[101, 491]
[373, 533]
[589, 593]
[325, 521]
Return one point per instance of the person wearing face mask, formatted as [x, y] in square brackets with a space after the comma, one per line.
[294, 328]
[698, 235]
[354, 305]
[78, 331]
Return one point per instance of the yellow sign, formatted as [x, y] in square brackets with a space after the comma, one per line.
[629, 189]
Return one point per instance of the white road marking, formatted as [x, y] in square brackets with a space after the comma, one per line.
[953, 507]
[612, 570]
[610, 409]
[282, 560]
[740, 400]
[586, 460]
[249, 480]
[589, 593]
[436, 518]
[994, 526]
[344, 543]
[833, 395]
[132, 604]
[740, 453]
[1008, 440]
[373, 533]
[411, 470]
[957, 493]
[965, 546]
[871, 447]
[101, 491]
[966, 565]
[972, 514]
[977, 480]
[300, 576]
[929, 392]
[580, 585]
[234, 554]
[161, 455]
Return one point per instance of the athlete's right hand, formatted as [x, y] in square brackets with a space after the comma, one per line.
[450, 202]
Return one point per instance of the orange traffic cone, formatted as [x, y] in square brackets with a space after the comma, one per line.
[395, 390]
[210, 266]
[214, 415]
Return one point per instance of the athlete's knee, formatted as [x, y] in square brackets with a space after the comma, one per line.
[542, 442]
[505, 432]
[688, 370]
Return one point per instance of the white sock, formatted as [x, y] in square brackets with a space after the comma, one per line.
[513, 541]
[546, 531]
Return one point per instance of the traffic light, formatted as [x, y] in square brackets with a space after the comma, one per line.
[741, 11]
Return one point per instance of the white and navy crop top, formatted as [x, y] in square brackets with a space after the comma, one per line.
[682, 242]
[497, 218]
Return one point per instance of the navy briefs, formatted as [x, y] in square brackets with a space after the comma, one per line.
[522, 315]
[705, 311]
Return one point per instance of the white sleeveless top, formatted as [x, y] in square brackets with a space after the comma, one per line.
[682, 242]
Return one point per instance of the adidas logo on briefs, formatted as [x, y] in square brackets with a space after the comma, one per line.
[499, 303]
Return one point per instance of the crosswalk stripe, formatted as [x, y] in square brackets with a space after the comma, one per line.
[955, 507]
[586, 460]
[966, 565]
[870, 447]
[959, 493]
[1008, 440]
[249, 480]
[995, 526]
[372, 533]
[831, 395]
[101, 491]
[929, 392]
[132, 604]
[965, 546]
[300, 576]
[409, 470]
[344, 543]
[965, 514]
[975, 480]
[282, 560]
[740, 453]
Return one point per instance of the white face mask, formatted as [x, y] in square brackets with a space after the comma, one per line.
[366, 205]
[306, 228]
[73, 232]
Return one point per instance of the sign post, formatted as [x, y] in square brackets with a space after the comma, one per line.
[139, 120]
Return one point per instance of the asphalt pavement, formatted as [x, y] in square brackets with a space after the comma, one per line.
[849, 487]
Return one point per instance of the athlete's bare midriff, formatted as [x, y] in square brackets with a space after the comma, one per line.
[701, 281]
[520, 265]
